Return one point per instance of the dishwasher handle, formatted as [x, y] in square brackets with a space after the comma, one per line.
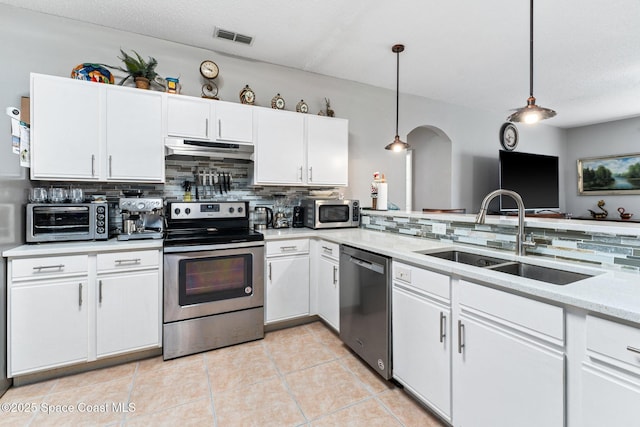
[375, 267]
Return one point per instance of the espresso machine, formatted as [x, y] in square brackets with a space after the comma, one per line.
[142, 218]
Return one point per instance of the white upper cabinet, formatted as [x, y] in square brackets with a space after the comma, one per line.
[300, 149]
[205, 119]
[279, 153]
[327, 150]
[65, 128]
[135, 150]
[86, 131]
[234, 122]
[188, 117]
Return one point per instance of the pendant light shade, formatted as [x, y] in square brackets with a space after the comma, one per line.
[531, 113]
[397, 144]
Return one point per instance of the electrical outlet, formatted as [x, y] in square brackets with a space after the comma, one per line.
[439, 228]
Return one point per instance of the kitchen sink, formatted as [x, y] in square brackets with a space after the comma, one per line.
[543, 274]
[463, 257]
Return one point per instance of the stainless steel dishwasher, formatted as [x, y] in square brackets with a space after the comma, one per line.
[365, 301]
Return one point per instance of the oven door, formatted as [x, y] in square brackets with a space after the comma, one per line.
[212, 281]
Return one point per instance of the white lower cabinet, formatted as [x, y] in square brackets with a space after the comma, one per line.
[287, 284]
[128, 312]
[328, 283]
[48, 325]
[610, 374]
[421, 335]
[508, 362]
[65, 310]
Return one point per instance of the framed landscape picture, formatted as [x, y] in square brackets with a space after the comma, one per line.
[609, 175]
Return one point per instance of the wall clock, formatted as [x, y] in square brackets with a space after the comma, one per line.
[209, 70]
[509, 136]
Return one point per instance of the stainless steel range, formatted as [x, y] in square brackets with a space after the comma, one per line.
[213, 277]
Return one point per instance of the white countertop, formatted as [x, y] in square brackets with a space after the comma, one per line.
[83, 247]
[611, 292]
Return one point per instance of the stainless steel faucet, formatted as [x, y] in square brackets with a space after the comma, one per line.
[520, 241]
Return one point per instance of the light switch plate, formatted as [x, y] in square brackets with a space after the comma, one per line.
[439, 228]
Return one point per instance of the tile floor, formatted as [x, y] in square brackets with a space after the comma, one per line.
[302, 376]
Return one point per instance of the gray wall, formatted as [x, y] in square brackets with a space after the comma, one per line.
[47, 44]
[606, 139]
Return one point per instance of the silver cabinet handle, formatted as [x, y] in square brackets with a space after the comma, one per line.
[39, 268]
[128, 261]
[100, 291]
[206, 128]
[460, 336]
[219, 129]
[300, 169]
[310, 173]
[443, 326]
[79, 294]
[110, 161]
[328, 250]
[269, 272]
[633, 349]
[335, 272]
[288, 248]
[93, 165]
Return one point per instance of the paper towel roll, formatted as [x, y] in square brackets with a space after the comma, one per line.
[382, 196]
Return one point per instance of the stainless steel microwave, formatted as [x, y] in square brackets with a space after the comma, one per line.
[66, 222]
[331, 213]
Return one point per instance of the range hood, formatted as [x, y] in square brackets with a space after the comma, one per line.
[214, 150]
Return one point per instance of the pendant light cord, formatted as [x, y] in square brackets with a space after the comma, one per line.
[531, 50]
[398, 87]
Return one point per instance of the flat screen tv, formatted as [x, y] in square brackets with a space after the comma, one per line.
[533, 176]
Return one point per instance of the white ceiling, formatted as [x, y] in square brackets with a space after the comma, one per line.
[465, 52]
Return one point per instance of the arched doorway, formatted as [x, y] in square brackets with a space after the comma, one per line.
[429, 169]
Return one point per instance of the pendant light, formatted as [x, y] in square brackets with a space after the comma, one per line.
[531, 113]
[397, 144]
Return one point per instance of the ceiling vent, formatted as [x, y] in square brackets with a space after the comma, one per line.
[234, 37]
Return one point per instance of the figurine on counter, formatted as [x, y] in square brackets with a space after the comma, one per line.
[599, 215]
[624, 214]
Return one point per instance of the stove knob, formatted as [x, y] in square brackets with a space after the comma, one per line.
[187, 211]
[177, 211]
[240, 209]
[231, 210]
[141, 205]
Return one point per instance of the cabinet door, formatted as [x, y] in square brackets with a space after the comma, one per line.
[128, 316]
[279, 147]
[188, 117]
[609, 399]
[234, 122]
[135, 147]
[287, 288]
[328, 150]
[421, 348]
[501, 379]
[48, 325]
[329, 292]
[65, 128]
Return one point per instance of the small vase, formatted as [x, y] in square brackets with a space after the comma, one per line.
[142, 82]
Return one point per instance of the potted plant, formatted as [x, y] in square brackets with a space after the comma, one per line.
[143, 72]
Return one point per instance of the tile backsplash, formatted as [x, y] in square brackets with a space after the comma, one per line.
[179, 169]
[600, 249]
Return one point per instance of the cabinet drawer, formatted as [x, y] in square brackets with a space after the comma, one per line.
[49, 266]
[127, 260]
[329, 250]
[424, 280]
[615, 340]
[288, 247]
[519, 312]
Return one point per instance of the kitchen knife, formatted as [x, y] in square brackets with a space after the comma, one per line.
[196, 180]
